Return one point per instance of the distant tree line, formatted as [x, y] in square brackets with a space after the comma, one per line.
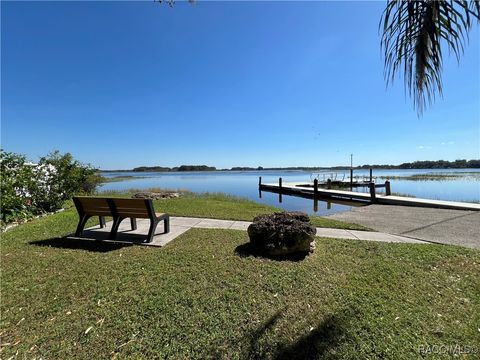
[427, 164]
[151, 168]
[178, 168]
[246, 168]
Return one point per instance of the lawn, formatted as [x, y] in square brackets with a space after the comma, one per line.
[227, 207]
[198, 298]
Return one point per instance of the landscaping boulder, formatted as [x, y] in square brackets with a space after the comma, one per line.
[156, 195]
[282, 233]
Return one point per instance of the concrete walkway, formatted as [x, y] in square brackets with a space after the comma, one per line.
[179, 225]
[455, 227]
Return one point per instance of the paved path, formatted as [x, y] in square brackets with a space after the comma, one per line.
[455, 227]
[179, 225]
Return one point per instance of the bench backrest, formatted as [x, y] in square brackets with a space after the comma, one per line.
[93, 206]
[137, 208]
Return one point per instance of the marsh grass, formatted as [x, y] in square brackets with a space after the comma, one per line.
[401, 194]
[118, 178]
[475, 176]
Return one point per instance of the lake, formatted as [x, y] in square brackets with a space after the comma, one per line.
[465, 187]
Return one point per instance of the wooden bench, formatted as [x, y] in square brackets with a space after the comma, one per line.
[136, 209]
[88, 207]
[119, 209]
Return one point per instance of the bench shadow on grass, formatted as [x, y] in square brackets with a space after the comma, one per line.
[317, 344]
[81, 244]
[246, 250]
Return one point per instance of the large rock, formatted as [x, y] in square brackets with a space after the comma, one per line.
[282, 233]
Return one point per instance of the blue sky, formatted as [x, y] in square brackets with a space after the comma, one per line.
[124, 84]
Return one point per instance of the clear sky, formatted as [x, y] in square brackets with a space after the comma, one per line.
[124, 84]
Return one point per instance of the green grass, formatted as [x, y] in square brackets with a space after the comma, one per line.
[196, 298]
[227, 207]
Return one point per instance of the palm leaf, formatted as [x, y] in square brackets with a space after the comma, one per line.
[414, 33]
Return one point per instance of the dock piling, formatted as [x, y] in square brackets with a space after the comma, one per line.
[315, 188]
[341, 196]
[373, 197]
[371, 175]
[329, 183]
[387, 188]
[259, 181]
[351, 178]
[280, 188]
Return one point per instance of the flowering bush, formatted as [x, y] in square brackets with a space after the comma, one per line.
[16, 179]
[31, 189]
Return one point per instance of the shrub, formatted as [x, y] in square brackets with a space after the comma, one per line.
[61, 177]
[29, 189]
[16, 179]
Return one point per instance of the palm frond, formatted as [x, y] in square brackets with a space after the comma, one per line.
[414, 32]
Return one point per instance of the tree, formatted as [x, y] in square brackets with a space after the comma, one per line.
[414, 35]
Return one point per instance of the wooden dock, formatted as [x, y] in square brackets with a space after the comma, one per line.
[316, 192]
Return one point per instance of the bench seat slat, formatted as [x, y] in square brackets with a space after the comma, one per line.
[138, 204]
[99, 212]
[131, 207]
[136, 214]
[94, 206]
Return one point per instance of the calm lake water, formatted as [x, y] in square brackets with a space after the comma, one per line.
[245, 184]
